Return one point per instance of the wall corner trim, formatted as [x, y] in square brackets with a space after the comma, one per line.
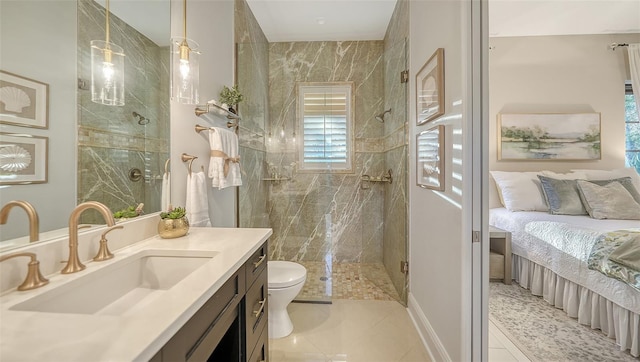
[430, 339]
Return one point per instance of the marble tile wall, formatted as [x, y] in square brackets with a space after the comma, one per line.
[110, 140]
[326, 216]
[252, 77]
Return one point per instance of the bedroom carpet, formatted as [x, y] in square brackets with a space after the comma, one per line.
[545, 333]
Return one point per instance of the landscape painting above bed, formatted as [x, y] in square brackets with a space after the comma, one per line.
[549, 136]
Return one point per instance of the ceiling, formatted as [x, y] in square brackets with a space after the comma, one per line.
[315, 20]
[300, 20]
[563, 17]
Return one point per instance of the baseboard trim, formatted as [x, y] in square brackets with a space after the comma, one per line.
[430, 339]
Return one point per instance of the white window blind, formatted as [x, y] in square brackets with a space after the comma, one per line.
[325, 121]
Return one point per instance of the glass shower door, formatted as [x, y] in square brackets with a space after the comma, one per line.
[389, 276]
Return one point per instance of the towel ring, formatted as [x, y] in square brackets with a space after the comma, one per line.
[166, 165]
[188, 158]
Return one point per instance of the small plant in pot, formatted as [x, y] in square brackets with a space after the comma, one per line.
[173, 223]
[231, 97]
[129, 212]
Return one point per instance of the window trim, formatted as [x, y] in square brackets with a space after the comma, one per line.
[628, 90]
[325, 167]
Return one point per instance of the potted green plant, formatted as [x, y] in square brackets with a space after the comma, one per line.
[231, 97]
[129, 212]
[173, 223]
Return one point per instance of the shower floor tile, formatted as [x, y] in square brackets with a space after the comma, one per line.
[353, 281]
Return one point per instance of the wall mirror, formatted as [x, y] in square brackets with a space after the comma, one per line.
[114, 155]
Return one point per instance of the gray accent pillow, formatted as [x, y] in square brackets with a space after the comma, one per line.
[611, 201]
[626, 182]
[562, 196]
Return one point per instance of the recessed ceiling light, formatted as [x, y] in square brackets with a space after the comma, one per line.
[320, 20]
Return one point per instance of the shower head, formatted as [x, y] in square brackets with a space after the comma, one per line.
[141, 120]
[380, 117]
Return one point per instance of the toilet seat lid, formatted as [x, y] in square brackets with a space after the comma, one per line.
[284, 274]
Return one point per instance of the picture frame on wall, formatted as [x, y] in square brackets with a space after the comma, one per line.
[549, 137]
[430, 146]
[23, 159]
[430, 88]
[24, 102]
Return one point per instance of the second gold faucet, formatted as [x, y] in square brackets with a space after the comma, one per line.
[34, 221]
[74, 264]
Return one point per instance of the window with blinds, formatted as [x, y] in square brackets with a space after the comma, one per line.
[325, 124]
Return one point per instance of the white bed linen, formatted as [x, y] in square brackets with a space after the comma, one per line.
[562, 243]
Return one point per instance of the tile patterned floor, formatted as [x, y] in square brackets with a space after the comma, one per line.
[353, 281]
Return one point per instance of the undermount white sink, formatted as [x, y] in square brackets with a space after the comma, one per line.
[122, 287]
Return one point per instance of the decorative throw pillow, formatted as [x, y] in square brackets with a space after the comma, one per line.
[611, 201]
[612, 174]
[519, 191]
[626, 182]
[562, 196]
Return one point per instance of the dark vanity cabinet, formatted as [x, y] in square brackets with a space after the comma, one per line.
[256, 305]
[231, 325]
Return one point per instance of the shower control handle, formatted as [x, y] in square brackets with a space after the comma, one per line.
[135, 174]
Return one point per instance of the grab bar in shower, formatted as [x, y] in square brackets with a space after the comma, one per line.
[365, 180]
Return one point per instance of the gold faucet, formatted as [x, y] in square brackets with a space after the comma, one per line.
[34, 221]
[103, 252]
[74, 264]
[34, 278]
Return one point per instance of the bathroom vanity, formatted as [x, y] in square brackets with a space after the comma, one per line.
[199, 297]
[231, 325]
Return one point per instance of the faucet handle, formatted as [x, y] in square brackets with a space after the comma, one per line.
[34, 278]
[103, 252]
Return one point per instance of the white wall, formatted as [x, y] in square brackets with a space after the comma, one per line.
[210, 23]
[558, 74]
[439, 251]
[39, 42]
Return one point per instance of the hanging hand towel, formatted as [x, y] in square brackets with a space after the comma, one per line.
[197, 204]
[165, 200]
[224, 167]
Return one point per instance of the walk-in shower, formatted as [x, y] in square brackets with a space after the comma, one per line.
[351, 239]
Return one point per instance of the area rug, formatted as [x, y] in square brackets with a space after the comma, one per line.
[545, 333]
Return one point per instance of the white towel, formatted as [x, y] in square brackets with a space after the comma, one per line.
[197, 204]
[224, 152]
[165, 201]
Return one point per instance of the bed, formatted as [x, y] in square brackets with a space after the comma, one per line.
[551, 255]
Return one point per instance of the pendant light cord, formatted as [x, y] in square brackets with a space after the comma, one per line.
[184, 18]
[107, 20]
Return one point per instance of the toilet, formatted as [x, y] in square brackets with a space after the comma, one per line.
[286, 279]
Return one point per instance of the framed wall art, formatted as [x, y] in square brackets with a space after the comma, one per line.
[23, 102]
[23, 159]
[430, 88]
[430, 158]
[549, 136]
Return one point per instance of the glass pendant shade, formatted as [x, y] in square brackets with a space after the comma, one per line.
[185, 77]
[107, 73]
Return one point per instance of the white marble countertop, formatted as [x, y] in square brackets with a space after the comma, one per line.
[38, 336]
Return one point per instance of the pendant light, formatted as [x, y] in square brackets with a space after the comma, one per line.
[185, 78]
[107, 70]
